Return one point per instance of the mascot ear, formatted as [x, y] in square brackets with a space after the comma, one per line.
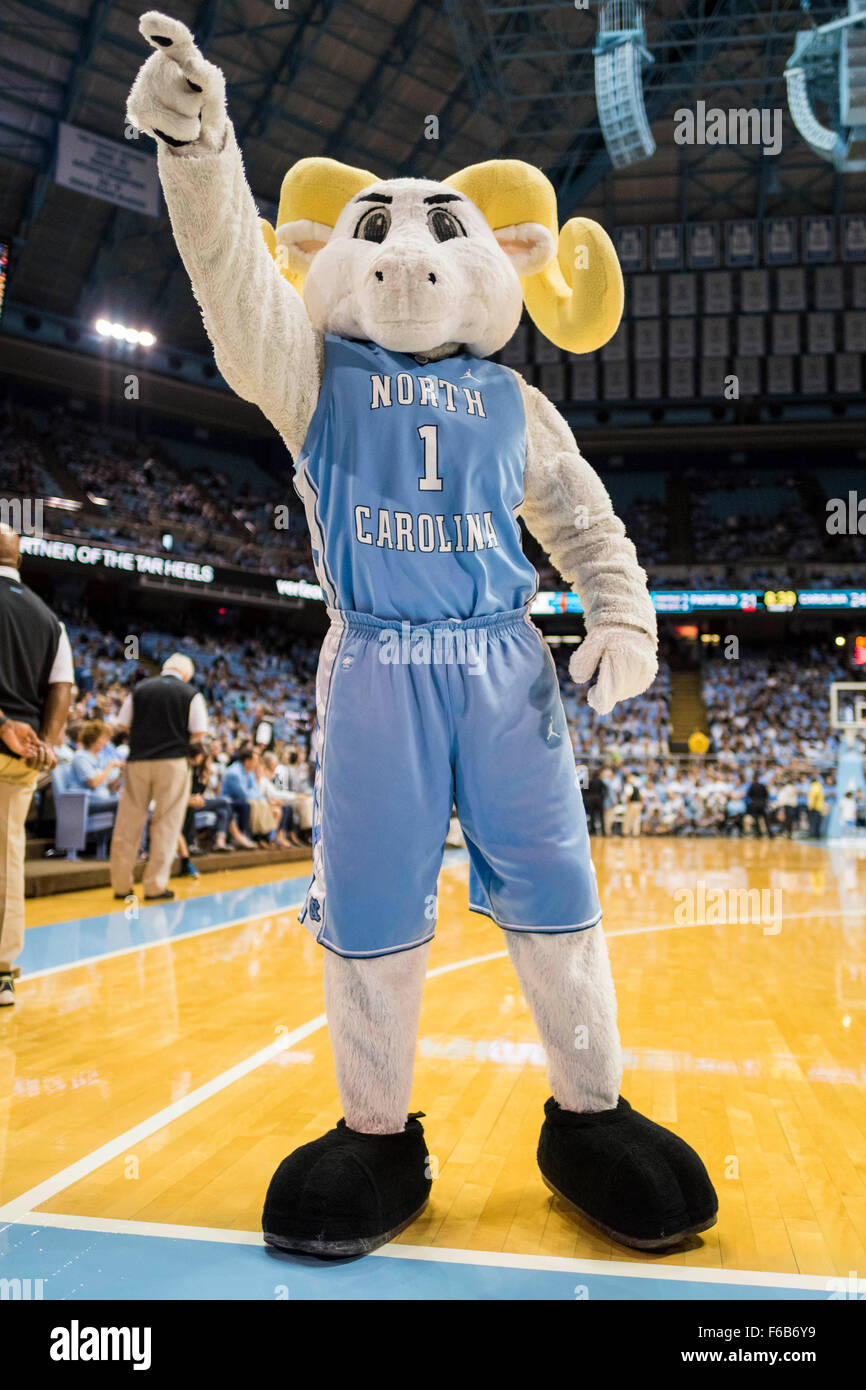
[313, 195]
[299, 242]
[528, 246]
[576, 295]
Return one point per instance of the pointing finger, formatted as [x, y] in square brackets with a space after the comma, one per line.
[169, 36]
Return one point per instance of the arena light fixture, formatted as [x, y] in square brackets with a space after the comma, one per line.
[620, 55]
[828, 66]
[63, 504]
[106, 328]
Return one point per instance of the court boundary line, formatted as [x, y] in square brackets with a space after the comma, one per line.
[21, 1206]
[437, 1254]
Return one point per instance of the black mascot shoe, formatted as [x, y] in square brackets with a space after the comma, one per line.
[634, 1180]
[348, 1193]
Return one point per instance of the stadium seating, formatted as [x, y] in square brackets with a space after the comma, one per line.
[78, 816]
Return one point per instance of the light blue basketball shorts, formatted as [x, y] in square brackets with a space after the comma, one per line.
[412, 719]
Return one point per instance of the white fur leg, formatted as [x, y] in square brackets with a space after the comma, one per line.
[567, 984]
[372, 1007]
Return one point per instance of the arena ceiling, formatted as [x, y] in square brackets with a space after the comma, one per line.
[357, 80]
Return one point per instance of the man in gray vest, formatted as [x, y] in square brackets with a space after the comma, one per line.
[163, 717]
[36, 675]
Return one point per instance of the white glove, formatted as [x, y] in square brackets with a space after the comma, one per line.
[626, 660]
[178, 96]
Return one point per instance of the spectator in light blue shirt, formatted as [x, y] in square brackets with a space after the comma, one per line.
[241, 785]
[87, 771]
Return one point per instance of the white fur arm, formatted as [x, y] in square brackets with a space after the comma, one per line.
[568, 510]
[264, 343]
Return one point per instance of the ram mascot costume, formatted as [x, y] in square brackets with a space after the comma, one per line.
[362, 326]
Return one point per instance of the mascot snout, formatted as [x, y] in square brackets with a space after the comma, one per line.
[405, 292]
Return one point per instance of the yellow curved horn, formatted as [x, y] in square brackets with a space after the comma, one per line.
[295, 279]
[315, 190]
[319, 189]
[577, 299]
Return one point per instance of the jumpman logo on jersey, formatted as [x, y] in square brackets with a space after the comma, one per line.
[467, 376]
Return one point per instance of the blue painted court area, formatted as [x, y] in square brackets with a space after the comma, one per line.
[64, 943]
[59, 944]
[76, 1264]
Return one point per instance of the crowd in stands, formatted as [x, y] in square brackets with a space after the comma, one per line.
[646, 523]
[767, 722]
[773, 708]
[269, 676]
[22, 463]
[130, 492]
[260, 694]
[768, 726]
[665, 797]
[772, 714]
[636, 728]
[780, 516]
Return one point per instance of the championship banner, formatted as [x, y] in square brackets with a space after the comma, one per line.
[741, 243]
[108, 169]
[854, 237]
[819, 240]
[630, 243]
[780, 241]
[667, 247]
[703, 245]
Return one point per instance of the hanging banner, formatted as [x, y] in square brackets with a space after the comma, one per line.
[115, 171]
[667, 247]
[780, 241]
[854, 237]
[630, 243]
[819, 240]
[741, 243]
[703, 242]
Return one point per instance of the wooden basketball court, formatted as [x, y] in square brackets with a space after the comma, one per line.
[155, 1071]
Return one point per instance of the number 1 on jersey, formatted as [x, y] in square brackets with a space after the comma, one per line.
[430, 480]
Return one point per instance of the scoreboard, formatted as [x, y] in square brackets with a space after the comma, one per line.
[724, 601]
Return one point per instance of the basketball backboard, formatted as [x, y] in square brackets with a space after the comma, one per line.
[848, 705]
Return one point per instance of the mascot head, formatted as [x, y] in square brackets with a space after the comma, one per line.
[413, 265]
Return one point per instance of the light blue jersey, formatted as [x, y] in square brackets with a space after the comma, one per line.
[411, 475]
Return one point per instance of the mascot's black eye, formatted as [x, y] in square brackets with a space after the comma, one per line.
[444, 225]
[374, 225]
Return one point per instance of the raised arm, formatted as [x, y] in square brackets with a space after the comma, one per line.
[567, 509]
[264, 343]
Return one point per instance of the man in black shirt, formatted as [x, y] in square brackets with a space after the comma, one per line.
[35, 690]
[163, 717]
[757, 797]
[594, 797]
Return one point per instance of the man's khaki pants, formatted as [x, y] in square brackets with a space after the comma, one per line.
[17, 783]
[166, 782]
[633, 813]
